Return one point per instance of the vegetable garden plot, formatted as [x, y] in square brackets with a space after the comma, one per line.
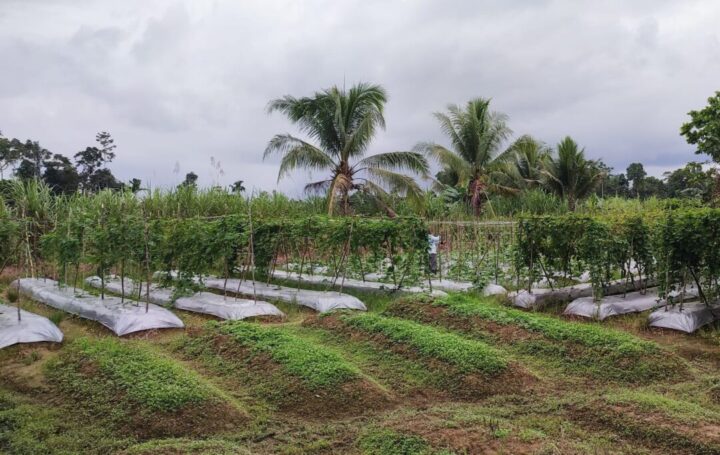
[687, 317]
[633, 302]
[121, 318]
[31, 328]
[201, 302]
[574, 346]
[319, 301]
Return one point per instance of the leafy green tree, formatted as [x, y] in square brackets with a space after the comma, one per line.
[690, 181]
[341, 124]
[703, 129]
[60, 175]
[636, 175]
[476, 135]
[190, 180]
[135, 185]
[92, 161]
[32, 156]
[653, 187]
[570, 175]
[9, 154]
[237, 187]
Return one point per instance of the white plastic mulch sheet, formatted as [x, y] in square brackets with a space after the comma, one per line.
[317, 300]
[121, 318]
[633, 302]
[370, 285]
[31, 328]
[201, 302]
[540, 297]
[692, 316]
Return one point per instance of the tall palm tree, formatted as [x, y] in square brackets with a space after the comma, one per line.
[523, 163]
[570, 175]
[476, 135]
[341, 125]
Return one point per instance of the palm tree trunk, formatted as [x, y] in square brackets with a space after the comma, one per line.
[571, 202]
[475, 190]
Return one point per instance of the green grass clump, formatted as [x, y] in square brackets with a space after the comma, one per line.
[316, 365]
[593, 336]
[467, 355]
[685, 411]
[388, 442]
[136, 373]
[187, 447]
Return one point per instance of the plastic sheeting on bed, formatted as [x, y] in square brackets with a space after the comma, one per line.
[31, 328]
[121, 318]
[632, 302]
[375, 285]
[320, 301]
[686, 317]
[369, 285]
[201, 302]
[539, 297]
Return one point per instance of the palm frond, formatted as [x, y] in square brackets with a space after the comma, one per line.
[399, 161]
[297, 153]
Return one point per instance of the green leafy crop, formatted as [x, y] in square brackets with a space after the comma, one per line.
[467, 355]
[316, 365]
[129, 371]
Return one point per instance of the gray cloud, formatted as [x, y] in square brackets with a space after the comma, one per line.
[179, 82]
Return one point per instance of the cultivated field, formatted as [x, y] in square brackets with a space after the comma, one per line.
[415, 374]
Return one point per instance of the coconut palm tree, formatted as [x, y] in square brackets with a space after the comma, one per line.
[476, 136]
[570, 175]
[340, 125]
[523, 163]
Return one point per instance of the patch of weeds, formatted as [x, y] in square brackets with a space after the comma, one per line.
[186, 447]
[685, 411]
[389, 442]
[29, 429]
[57, 317]
[31, 358]
[465, 354]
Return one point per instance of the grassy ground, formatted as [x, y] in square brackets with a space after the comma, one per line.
[460, 375]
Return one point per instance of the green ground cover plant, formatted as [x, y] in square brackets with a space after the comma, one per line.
[465, 354]
[315, 365]
[575, 346]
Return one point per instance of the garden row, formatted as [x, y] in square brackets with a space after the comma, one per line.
[677, 249]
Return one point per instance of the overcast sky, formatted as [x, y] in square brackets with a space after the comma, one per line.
[177, 83]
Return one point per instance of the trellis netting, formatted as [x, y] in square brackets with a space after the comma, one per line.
[201, 302]
[320, 301]
[30, 328]
[120, 317]
[686, 317]
[633, 302]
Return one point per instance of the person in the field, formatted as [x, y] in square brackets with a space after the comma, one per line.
[433, 242]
